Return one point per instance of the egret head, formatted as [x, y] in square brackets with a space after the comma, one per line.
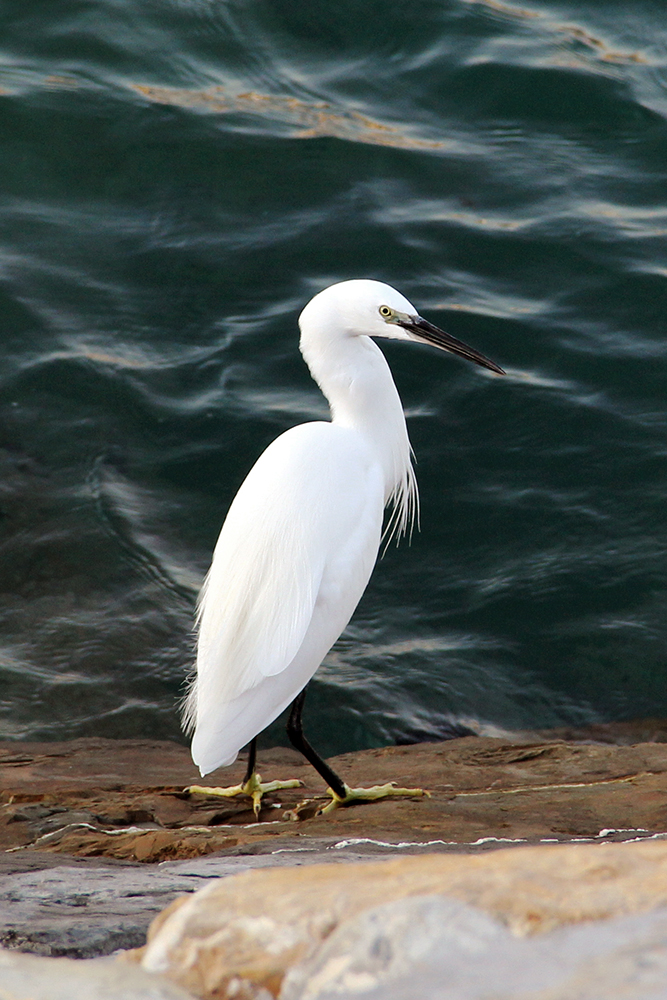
[362, 307]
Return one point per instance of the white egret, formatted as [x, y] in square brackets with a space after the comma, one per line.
[302, 535]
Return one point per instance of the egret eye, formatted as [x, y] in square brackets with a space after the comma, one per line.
[386, 312]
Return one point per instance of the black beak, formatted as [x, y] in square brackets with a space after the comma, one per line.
[430, 334]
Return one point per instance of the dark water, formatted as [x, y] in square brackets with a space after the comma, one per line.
[177, 179]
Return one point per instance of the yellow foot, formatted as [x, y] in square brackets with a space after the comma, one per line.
[389, 791]
[254, 787]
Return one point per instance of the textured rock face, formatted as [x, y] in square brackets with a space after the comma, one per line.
[64, 807]
[84, 912]
[124, 799]
[81, 908]
[256, 925]
[24, 977]
[386, 944]
[437, 949]
[426, 947]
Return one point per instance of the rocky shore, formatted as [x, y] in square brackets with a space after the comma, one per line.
[544, 855]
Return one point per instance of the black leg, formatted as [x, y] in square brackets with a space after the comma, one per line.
[252, 757]
[299, 741]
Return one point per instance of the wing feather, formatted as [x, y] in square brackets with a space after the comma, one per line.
[300, 501]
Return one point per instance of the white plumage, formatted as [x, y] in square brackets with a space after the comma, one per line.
[302, 535]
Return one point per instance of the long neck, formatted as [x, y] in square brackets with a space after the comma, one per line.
[353, 374]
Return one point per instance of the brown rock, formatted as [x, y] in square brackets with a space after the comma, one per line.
[124, 798]
[255, 925]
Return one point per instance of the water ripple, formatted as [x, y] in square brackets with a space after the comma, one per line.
[503, 164]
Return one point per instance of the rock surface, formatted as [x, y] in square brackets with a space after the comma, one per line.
[83, 912]
[439, 949]
[80, 822]
[24, 977]
[125, 799]
[256, 925]
[52, 905]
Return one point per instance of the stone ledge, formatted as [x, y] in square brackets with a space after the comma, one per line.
[81, 822]
[256, 926]
[124, 799]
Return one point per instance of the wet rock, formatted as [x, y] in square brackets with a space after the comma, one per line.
[84, 913]
[24, 976]
[258, 924]
[51, 905]
[434, 947]
[124, 799]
